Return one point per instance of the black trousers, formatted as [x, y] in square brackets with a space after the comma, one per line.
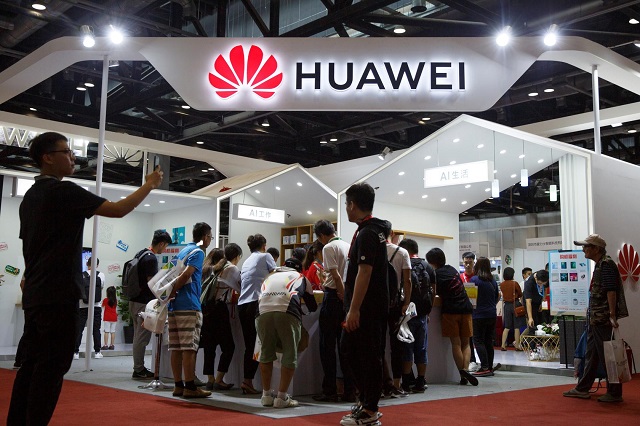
[216, 330]
[247, 314]
[483, 332]
[395, 346]
[596, 334]
[49, 338]
[82, 323]
[362, 351]
[330, 323]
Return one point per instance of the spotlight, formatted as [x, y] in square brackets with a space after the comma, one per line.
[265, 123]
[551, 36]
[504, 36]
[38, 6]
[399, 30]
[333, 139]
[634, 21]
[89, 82]
[418, 6]
[88, 39]
[115, 35]
[384, 153]
[323, 141]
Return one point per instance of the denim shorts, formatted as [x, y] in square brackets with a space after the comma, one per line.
[416, 351]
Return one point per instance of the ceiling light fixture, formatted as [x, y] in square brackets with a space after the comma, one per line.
[384, 153]
[200, 143]
[549, 90]
[400, 173]
[487, 189]
[551, 36]
[309, 212]
[89, 82]
[636, 42]
[532, 94]
[631, 131]
[115, 35]
[204, 170]
[524, 173]
[418, 6]
[503, 38]
[265, 123]
[211, 169]
[333, 139]
[456, 140]
[257, 191]
[521, 155]
[424, 196]
[32, 109]
[616, 125]
[400, 192]
[277, 188]
[426, 118]
[503, 151]
[185, 107]
[399, 30]
[38, 6]
[452, 162]
[467, 186]
[428, 157]
[463, 203]
[323, 141]
[634, 21]
[442, 200]
[331, 209]
[540, 161]
[81, 88]
[162, 201]
[88, 39]
[513, 176]
[147, 205]
[480, 146]
[299, 183]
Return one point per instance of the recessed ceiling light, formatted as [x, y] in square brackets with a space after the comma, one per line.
[400, 192]
[401, 174]
[200, 143]
[89, 84]
[616, 125]
[513, 175]
[333, 139]
[452, 162]
[32, 109]
[162, 201]
[532, 94]
[425, 196]
[81, 88]
[428, 157]
[443, 200]
[503, 151]
[257, 191]
[463, 203]
[467, 186]
[472, 232]
[122, 197]
[185, 107]
[421, 122]
[399, 29]
[549, 90]
[277, 188]
[204, 170]
[456, 140]
[211, 169]
[634, 21]
[309, 212]
[331, 209]
[495, 171]
[40, 6]
[426, 118]
[480, 146]
[521, 156]
[299, 183]
[540, 161]
[147, 205]
[487, 189]
[631, 131]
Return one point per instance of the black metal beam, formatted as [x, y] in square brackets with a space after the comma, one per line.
[410, 21]
[274, 18]
[474, 10]
[370, 29]
[257, 19]
[161, 121]
[221, 19]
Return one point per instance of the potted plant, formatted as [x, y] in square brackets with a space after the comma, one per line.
[125, 315]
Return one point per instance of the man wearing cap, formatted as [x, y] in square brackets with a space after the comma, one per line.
[606, 306]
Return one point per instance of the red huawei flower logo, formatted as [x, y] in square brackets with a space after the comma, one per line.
[247, 70]
[628, 263]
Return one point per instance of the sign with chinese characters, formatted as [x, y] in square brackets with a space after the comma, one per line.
[257, 214]
[569, 280]
[473, 247]
[544, 244]
[458, 174]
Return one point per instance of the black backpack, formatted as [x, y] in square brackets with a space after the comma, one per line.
[131, 277]
[421, 290]
[392, 279]
[86, 283]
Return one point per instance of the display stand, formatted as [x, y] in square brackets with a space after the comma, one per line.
[569, 340]
[156, 383]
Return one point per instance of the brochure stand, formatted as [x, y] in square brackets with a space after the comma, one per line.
[156, 383]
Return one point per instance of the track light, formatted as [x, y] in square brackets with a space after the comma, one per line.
[115, 35]
[418, 6]
[399, 29]
[384, 153]
[88, 39]
[265, 123]
[504, 36]
[550, 37]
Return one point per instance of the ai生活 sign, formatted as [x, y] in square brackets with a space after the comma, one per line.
[458, 174]
[257, 214]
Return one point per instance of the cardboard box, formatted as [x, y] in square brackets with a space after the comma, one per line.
[304, 238]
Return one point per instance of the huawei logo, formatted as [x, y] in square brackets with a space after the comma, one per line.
[628, 263]
[245, 71]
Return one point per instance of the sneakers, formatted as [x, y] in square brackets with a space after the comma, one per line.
[354, 410]
[469, 377]
[198, 393]
[473, 366]
[76, 355]
[575, 393]
[285, 403]
[420, 386]
[394, 392]
[483, 372]
[98, 355]
[607, 397]
[361, 417]
[266, 400]
[144, 374]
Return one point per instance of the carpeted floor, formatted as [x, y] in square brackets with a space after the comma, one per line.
[85, 404]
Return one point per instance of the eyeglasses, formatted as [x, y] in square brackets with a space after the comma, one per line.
[66, 151]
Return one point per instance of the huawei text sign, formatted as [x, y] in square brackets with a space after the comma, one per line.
[339, 75]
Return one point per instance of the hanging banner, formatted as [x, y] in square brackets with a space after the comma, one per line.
[458, 174]
[569, 279]
[544, 244]
[473, 247]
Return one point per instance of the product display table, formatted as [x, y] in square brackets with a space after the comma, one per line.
[541, 348]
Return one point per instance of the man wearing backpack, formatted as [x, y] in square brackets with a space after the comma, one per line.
[145, 269]
[84, 310]
[423, 279]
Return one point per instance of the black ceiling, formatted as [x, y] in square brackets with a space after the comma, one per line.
[142, 103]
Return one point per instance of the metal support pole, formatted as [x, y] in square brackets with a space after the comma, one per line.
[597, 144]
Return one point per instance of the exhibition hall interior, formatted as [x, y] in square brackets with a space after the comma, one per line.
[504, 129]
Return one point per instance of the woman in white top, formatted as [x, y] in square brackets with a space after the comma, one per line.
[254, 270]
[216, 326]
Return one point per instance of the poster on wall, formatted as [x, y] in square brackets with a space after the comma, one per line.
[569, 280]
[164, 259]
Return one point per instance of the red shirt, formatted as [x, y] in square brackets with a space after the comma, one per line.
[465, 278]
[110, 313]
[312, 276]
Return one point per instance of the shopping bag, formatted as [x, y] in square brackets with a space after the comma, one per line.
[615, 360]
[256, 349]
[404, 334]
[154, 316]
[162, 283]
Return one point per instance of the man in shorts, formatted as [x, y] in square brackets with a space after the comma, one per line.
[185, 315]
[456, 312]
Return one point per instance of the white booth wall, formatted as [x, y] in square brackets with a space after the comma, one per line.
[616, 203]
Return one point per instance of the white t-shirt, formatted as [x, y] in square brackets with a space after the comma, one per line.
[104, 288]
[281, 292]
[401, 260]
[334, 256]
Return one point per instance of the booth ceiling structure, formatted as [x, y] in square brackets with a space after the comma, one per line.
[142, 103]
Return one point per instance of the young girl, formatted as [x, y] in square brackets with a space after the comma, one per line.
[312, 265]
[109, 304]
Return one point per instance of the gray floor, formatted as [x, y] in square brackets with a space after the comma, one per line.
[518, 373]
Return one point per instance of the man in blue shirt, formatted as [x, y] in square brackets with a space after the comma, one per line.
[185, 315]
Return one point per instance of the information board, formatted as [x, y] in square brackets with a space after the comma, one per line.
[569, 279]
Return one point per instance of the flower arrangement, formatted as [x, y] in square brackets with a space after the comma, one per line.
[552, 329]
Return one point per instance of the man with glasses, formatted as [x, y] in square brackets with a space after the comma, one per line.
[606, 306]
[52, 217]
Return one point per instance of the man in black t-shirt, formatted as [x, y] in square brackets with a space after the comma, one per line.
[147, 268]
[366, 301]
[52, 217]
[533, 293]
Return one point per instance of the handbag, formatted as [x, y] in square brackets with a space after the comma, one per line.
[615, 360]
[518, 310]
[162, 283]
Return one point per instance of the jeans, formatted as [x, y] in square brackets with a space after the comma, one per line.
[417, 351]
[596, 334]
[247, 314]
[216, 330]
[363, 350]
[49, 339]
[82, 323]
[483, 332]
[330, 322]
[141, 336]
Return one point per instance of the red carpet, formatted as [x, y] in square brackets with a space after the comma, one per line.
[84, 404]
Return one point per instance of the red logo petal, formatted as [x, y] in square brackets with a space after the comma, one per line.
[629, 263]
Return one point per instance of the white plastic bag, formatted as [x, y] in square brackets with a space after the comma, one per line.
[154, 316]
[615, 360]
[404, 334]
[162, 283]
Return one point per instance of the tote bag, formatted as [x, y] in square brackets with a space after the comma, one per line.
[162, 283]
[615, 360]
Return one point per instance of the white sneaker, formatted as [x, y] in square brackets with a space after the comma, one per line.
[266, 401]
[98, 355]
[473, 366]
[76, 355]
[285, 403]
